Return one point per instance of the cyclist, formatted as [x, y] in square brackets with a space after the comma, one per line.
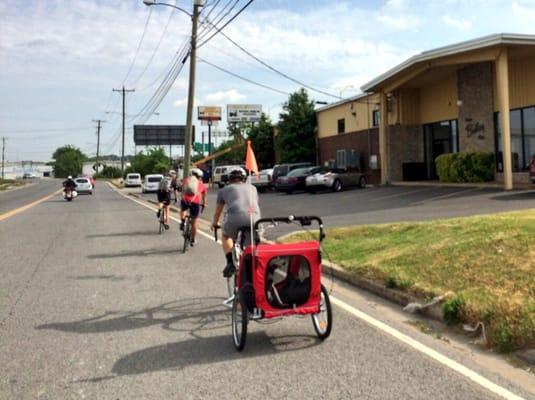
[241, 200]
[175, 187]
[193, 199]
[164, 197]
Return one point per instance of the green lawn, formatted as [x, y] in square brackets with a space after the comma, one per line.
[485, 265]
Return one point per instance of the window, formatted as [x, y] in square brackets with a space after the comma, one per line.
[522, 138]
[340, 158]
[376, 117]
[341, 125]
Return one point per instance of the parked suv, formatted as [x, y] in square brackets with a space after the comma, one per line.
[133, 179]
[283, 169]
[151, 183]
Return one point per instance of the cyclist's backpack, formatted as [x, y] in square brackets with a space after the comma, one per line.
[192, 186]
[164, 185]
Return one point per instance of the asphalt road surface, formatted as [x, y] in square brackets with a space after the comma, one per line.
[95, 304]
[34, 190]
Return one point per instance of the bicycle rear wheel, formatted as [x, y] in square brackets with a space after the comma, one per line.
[186, 235]
[323, 321]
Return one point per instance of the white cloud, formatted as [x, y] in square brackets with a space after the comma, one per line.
[229, 96]
[180, 102]
[457, 23]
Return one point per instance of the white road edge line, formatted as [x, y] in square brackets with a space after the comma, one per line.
[435, 355]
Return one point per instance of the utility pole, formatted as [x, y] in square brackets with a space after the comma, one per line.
[3, 154]
[123, 91]
[191, 92]
[99, 122]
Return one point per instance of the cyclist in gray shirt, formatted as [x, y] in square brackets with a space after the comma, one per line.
[241, 200]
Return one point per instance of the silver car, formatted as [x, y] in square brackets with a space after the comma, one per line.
[335, 179]
[83, 185]
[263, 181]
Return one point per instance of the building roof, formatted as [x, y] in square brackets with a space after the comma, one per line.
[474, 44]
[343, 101]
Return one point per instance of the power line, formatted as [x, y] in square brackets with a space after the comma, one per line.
[273, 68]
[51, 129]
[213, 25]
[138, 46]
[243, 78]
[218, 30]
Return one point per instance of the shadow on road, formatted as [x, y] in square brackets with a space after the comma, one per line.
[136, 253]
[189, 315]
[121, 234]
[516, 196]
[96, 277]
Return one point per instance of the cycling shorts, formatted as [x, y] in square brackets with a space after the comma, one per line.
[164, 197]
[194, 208]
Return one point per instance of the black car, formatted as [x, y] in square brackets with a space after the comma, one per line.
[295, 180]
[283, 169]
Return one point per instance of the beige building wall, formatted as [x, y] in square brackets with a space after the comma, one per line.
[521, 83]
[438, 101]
[358, 116]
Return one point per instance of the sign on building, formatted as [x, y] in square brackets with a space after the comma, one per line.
[244, 112]
[209, 113]
[159, 135]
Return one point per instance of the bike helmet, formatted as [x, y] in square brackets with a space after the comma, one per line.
[237, 174]
[69, 177]
[197, 172]
[172, 172]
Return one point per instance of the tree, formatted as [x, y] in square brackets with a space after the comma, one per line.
[154, 162]
[68, 160]
[261, 136]
[296, 140]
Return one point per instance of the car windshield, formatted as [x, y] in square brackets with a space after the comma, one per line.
[154, 179]
[300, 171]
[279, 171]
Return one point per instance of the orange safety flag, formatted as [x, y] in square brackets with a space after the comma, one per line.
[250, 159]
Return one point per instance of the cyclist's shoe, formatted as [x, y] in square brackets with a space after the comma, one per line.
[193, 243]
[182, 225]
[158, 213]
[166, 226]
[229, 270]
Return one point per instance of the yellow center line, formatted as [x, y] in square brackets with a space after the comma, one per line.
[27, 206]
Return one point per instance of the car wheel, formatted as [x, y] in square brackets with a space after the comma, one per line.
[362, 182]
[311, 191]
[337, 185]
[220, 185]
[261, 190]
[289, 191]
[91, 193]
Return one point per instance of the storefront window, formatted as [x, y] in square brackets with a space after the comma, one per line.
[522, 138]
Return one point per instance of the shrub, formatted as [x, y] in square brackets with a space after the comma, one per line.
[110, 173]
[465, 167]
[451, 309]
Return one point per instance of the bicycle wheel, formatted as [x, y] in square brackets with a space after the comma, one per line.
[186, 234]
[239, 322]
[323, 321]
[161, 228]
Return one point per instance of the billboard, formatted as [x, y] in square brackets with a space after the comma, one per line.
[244, 112]
[158, 135]
[209, 113]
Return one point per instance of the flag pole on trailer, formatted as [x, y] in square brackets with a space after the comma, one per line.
[252, 166]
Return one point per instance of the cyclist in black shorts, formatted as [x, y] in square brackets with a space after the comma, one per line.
[164, 197]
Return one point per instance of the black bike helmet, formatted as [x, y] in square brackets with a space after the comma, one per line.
[237, 174]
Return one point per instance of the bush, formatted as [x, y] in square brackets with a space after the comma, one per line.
[110, 173]
[465, 167]
[451, 309]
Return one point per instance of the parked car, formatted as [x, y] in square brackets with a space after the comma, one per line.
[151, 183]
[532, 169]
[220, 175]
[335, 179]
[83, 185]
[133, 179]
[263, 181]
[283, 169]
[295, 180]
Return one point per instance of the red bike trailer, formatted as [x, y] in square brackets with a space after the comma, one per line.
[277, 280]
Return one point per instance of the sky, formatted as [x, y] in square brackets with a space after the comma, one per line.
[60, 59]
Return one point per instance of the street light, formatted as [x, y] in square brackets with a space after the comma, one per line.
[192, 61]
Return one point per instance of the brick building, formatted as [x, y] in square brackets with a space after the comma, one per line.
[477, 95]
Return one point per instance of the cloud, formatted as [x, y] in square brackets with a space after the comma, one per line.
[524, 8]
[229, 96]
[457, 23]
[180, 102]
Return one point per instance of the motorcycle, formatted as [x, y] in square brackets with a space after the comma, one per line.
[69, 194]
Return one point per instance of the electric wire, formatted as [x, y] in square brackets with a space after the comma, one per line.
[138, 47]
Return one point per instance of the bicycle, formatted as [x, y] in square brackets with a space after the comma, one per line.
[161, 220]
[186, 232]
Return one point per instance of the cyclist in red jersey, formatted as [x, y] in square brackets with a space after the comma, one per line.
[193, 200]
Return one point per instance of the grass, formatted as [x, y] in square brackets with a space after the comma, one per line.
[485, 265]
[5, 183]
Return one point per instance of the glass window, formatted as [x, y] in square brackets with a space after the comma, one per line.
[341, 125]
[454, 137]
[376, 117]
[516, 139]
[529, 135]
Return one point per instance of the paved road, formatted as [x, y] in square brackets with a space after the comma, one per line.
[94, 304]
[35, 190]
[388, 204]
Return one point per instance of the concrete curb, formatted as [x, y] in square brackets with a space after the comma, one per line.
[489, 185]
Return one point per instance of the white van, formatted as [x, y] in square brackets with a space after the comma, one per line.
[151, 183]
[220, 175]
[132, 179]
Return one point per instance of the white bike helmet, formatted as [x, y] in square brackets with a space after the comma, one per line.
[172, 172]
[197, 172]
[237, 173]
[69, 177]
